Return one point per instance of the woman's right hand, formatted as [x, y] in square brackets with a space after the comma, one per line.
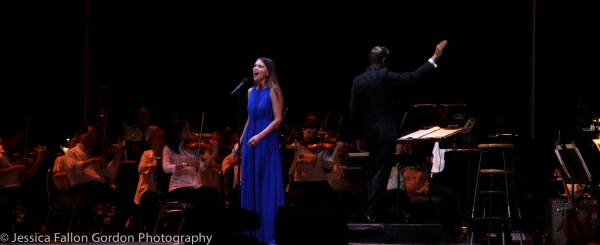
[195, 164]
[234, 152]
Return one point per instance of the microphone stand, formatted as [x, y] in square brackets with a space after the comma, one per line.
[239, 156]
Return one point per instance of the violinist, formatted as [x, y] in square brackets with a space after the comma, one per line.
[310, 185]
[11, 172]
[87, 179]
[210, 177]
[59, 175]
[183, 164]
[341, 185]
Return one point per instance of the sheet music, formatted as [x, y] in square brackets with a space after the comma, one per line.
[442, 133]
[420, 133]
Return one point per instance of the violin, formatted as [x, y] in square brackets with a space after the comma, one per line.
[194, 144]
[329, 142]
[16, 154]
[108, 151]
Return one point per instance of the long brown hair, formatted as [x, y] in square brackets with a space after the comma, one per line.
[272, 80]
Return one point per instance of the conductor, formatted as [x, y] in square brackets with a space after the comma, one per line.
[373, 121]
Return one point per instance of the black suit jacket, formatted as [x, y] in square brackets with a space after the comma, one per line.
[373, 101]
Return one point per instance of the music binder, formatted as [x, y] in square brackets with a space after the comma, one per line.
[433, 134]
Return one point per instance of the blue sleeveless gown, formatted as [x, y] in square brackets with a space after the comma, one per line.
[262, 178]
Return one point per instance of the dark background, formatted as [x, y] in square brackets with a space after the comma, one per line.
[187, 57]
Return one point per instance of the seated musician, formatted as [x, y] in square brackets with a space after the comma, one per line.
[88, 179]
[416, 178]
[135, 137]
[146, 196]
[340, 185]
[396, 191]
[310, 186]
[183, 164]
[59, 175]
[12, 170]
[210, 177]
[232, 160]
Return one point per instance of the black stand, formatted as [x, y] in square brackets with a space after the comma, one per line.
[570, 163]
[358, 167]
[239, 125]
[239, 152]
[571, 215]
[469, 183]
[397, 193]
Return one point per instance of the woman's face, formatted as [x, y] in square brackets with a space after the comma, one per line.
[159, 142]
[185, 132]
[73, 142]
[309, 134]
[259, 71]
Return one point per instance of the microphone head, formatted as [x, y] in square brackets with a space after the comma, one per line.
[245, 80]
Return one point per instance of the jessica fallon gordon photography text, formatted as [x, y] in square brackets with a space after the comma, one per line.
[96, 237]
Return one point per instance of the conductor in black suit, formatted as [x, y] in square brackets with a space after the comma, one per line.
[373, 122]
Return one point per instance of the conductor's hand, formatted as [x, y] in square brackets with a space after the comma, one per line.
[438, 50]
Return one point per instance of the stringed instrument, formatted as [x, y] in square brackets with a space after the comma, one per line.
[574, 225]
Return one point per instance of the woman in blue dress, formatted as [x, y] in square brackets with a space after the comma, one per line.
[261, 173]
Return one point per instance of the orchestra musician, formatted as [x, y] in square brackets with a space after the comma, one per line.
[416, 175]
[136, 136]
[59, 175]
[146, 196]
[372, 119]
[12, 170]
[183, 164]
[210, 177]
[310, 185]
[88, 179]
[231, 200]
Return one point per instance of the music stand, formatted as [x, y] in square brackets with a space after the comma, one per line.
[357, 166]
[127, 175]
[574, 167]
[573, 163]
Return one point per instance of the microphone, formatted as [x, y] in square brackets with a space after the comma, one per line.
[244, 81]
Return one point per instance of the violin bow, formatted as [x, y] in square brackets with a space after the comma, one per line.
[200, 139]
[26, 141]
[321, 131]
[338, 129]
[325, 122]
[25, 149]
[282, 117]
[104, 127]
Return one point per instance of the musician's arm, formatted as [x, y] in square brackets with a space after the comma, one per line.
[145, 164]
[31, 172]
